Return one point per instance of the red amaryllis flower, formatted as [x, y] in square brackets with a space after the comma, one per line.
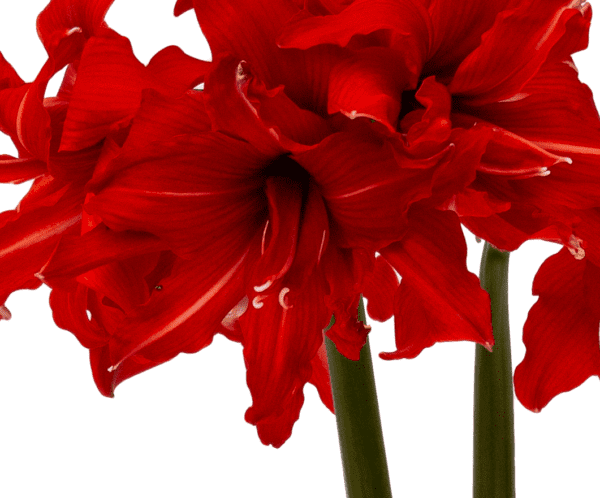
[502, 74]
[248, 210]
[270, 234]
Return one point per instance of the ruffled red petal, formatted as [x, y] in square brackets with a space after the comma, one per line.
[28, 237]
[279, 345]
[504, 61]
[63, 16]
[438, 298]
[561, 331]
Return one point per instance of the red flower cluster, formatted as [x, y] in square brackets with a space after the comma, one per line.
[334, 142]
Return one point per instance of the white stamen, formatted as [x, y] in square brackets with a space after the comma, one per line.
[5, 314]
[282, 302]
[76, 29]
[257, 302]
[575, 248]
[516, 97]
[264, 237]
[577, 149]
[112, 368]
[516, 173]
[263, 287]
[322, 246]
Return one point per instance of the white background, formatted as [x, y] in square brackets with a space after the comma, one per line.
[179, 429]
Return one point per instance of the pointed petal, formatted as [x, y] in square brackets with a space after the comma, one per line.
[438, 298]
[277, 429]
[320, 377]
[182, 6]
[279, 345]
[561, 331]
[503, 63]
[62, 16]
[106, 380]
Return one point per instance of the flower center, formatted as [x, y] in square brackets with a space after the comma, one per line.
[285, 167]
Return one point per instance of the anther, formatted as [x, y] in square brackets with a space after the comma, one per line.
[5, 314]
[282, 302]
[257, 302]
[263, 287]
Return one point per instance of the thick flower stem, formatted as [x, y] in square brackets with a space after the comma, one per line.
[358, 422]
[493, 431]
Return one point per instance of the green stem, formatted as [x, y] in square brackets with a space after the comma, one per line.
[359, 425]
[493, 432]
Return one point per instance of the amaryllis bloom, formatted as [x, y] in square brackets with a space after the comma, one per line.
[500, 73]
[267, 234]
[247, 209]
[233, 210]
